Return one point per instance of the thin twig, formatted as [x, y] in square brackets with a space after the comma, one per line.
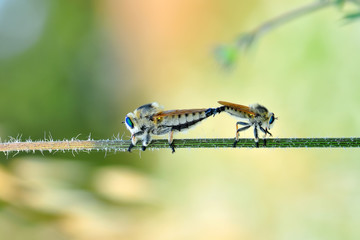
[287, 17]
[247, 39]
[228, 54]
[122, 145]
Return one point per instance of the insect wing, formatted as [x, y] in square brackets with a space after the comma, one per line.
[238, 107]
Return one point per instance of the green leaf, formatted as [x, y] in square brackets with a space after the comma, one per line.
[226, 55]
[357, 2]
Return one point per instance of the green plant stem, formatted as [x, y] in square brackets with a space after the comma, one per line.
[122, 145]
[287, 17]
[228, 54]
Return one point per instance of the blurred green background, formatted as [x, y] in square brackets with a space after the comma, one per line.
[78, 67]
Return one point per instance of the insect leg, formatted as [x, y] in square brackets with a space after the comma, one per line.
[265, 131]
[171, 141]
[256, 136]
[146, 141]
[236, 136]
[243, 128]
[134, 139]
[239, 130]
[130, 147]
[243, 123]
[133, 143]
[138, 133]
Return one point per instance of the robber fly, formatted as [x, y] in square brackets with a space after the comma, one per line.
[149, 120]
[255, 115]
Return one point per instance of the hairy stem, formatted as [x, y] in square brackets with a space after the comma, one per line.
[122, 145]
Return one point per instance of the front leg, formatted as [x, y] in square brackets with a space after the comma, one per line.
[133, 142]
[130, 147]
[146, 141]
[134, 139]
[265, 131]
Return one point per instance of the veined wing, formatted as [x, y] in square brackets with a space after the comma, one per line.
[238, 107]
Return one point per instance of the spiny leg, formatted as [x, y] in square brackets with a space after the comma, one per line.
[171, 141]
[256, 136]
[239, 130]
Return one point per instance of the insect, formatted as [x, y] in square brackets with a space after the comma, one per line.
[255, 115]
[149, 120]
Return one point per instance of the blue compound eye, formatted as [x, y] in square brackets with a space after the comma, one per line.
[129, 122]
[272, 118]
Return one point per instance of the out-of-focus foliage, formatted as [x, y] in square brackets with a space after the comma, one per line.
[77, 67]
[352, 16]
[225, 54]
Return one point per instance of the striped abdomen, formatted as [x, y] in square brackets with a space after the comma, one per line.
[179, 120]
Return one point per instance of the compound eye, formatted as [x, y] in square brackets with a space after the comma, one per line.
[129, 122]
[272, 118]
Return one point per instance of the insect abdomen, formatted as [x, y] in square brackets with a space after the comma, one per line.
[185, 121]
[219, 109]
[186, 125]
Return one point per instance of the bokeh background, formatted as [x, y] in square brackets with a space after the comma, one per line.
[77, 67]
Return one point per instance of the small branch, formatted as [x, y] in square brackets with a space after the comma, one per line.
[287, 17]
[227, 54]
[122, 145]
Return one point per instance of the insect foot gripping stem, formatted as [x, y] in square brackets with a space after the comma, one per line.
[235, 142]
[172, 146]
[130, 147]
